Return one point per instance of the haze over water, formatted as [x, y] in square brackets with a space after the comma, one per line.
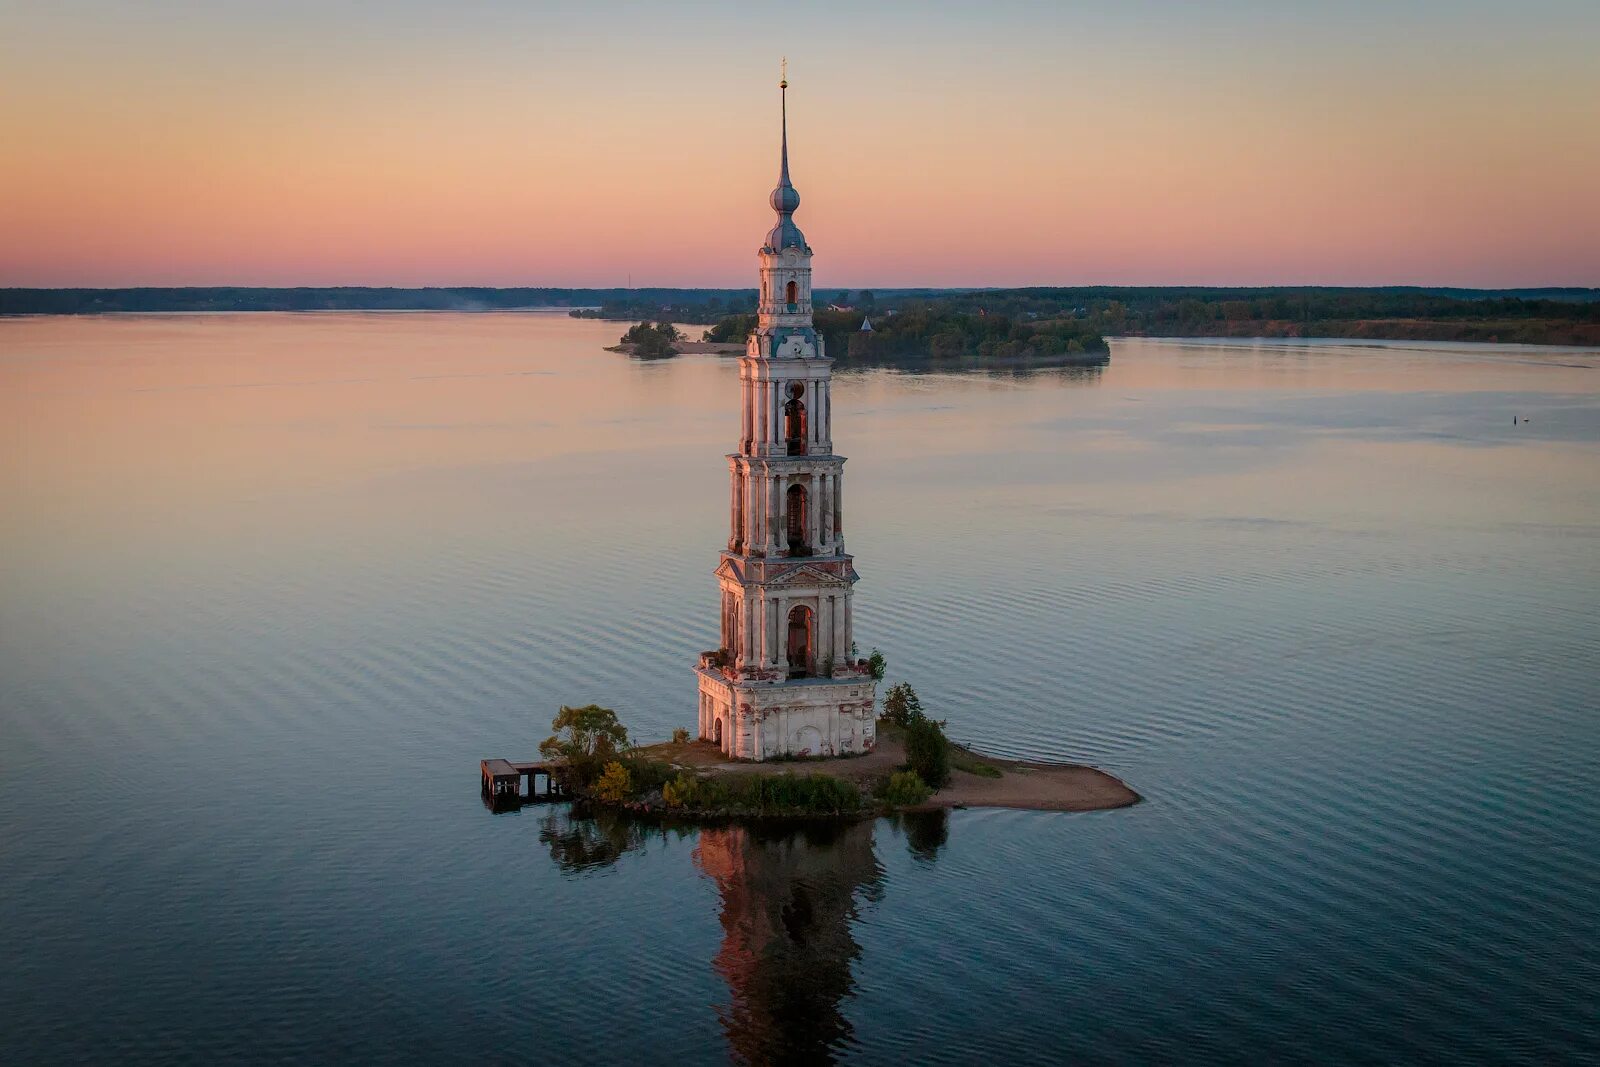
[270, 586]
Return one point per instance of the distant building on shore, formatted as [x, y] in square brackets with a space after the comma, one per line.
[786, 680]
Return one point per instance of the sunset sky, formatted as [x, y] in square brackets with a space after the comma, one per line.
[409, 143]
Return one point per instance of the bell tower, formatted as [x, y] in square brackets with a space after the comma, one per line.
[786, 680]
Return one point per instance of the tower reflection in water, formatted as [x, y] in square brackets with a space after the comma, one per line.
[790, 895]
[789, 898]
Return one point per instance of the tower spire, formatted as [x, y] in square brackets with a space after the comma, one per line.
[783, 95]
[785, 198]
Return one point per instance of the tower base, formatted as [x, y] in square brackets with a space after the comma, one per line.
[800, 717]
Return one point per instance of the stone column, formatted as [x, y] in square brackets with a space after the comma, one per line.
[824, 514]
[827, 415]
[771, 517]
[757, 418]
[814, 513]
[774, 413]
[838, 506]
[782, 513]
[827, 509]
[841, 649]
[747, 515]
[749, 650]
[812, 414]
[782, 628]
[825, 630]
[744, 412]
[766, 631]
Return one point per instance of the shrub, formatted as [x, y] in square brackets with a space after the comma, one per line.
[680, 792]
[905, 788]
[901, 706]
[767, 794]
[680, 736]
[812, 794]
[615, 785]
[876, 661]
[647, 775]
[928, 750]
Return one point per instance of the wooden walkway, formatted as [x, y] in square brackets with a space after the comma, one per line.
[502, 782]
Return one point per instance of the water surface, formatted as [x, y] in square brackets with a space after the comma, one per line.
[271, 585]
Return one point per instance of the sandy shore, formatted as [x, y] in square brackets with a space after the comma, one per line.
[1031, 786]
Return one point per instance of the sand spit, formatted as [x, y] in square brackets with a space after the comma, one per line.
[1019, 784]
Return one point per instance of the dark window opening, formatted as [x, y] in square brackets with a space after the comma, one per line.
[799, 644]
[798, 545]
[794, 426]
[793, 293]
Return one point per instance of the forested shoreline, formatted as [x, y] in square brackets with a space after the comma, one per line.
[931, 322]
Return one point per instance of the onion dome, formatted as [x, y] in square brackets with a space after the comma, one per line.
[785, 198]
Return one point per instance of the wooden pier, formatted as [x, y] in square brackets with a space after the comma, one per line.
[502, 783]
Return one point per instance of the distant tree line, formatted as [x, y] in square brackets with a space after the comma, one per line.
[977, 322]
[698, 308]
[350, 298]
[933, 330]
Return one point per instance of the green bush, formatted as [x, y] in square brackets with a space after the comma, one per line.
[615, 785]
[928, 750]
[876, 662]
[681, 791]
[905, 788]
[774, 794]
[648, 775]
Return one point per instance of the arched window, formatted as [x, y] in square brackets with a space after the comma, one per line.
[797, 521]
[793, 293]
[799, 642]
[794, 419]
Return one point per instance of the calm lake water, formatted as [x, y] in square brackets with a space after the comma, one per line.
[270, 586]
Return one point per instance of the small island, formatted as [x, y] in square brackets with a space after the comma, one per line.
[913, 766]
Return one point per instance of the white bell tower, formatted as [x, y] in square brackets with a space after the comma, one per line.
[786, 680]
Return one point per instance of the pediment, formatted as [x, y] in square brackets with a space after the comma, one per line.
[812, 576]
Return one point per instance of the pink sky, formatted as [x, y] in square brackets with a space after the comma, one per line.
[485, 144]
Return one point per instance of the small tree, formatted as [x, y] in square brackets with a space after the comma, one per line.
[905, 788]
[615, 785]
[901, 706]
[928, 750]
[680, 736]
[877, 663]
[585, 738]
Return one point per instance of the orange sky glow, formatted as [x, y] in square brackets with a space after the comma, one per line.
[1013, 144]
